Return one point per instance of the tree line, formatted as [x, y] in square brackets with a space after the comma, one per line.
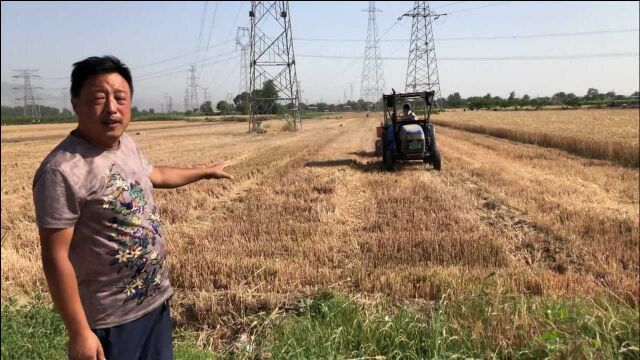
[592, 97]
[267, 103]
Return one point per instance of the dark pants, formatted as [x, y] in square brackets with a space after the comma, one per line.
[146, 338]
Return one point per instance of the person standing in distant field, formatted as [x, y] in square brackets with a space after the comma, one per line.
[103, 250]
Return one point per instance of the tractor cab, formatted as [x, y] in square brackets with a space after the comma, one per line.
[406, 136]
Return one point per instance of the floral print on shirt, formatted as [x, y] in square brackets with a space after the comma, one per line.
[136, 230]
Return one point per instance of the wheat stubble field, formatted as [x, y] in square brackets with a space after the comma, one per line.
[505, 235]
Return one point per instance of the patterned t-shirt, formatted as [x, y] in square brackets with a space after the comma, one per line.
[118, 248]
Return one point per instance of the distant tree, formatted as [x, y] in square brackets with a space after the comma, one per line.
[544, 101]
[574, 102]
[134, 111]
[223, 106]
[206, 108]
[454, 100]
[241, 102]
[66, 113]
[322, 106]
[525, 100]
[559, 98]
[610, 95]
[635, 94]
[266, 98]
[476, 102]
[513, 100]
[535, 103]
[592, 94]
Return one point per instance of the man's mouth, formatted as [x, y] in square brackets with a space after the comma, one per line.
[111, 122]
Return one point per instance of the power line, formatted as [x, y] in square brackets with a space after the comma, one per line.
[500, 37]
[452, 4]
[213, 21]
[477, 8]
[187, 64]
[498, 58]
[231, 33]
[526, 36]
[178, 56]
[235, 20]
[181, 70]
[202, 22]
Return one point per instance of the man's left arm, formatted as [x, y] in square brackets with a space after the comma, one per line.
[163, 177]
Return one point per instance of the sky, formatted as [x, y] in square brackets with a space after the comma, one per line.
[158, 41]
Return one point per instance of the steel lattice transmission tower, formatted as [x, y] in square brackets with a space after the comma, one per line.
[186, 99]
[372, 82]
[422, 68]
[242, 43]
[272, 59]
[168, 103]
[31, 107]
[193, 87]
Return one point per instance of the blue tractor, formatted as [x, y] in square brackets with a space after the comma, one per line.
[406, 136]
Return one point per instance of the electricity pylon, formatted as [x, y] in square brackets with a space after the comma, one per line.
[272, 63]
[31, 107]
[422, 67]
[372, 81]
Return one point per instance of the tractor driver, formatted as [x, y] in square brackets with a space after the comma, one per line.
[407, 114]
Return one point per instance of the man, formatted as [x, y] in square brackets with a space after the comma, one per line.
[103, 250]
[407, 114]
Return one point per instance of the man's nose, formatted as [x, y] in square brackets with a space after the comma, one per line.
[111, 105]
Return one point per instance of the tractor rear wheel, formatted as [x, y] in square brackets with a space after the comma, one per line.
[435, 159]
[387, 159]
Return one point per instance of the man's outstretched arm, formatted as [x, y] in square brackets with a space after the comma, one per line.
[169, 177]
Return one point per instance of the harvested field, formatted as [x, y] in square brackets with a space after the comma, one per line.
[312, 210]
[592, 133]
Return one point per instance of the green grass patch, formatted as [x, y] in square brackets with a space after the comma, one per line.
[37, 332]
[334, 326]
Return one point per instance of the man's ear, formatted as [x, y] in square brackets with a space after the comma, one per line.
[74, 104]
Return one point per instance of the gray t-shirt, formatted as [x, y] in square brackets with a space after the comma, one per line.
[118, 248]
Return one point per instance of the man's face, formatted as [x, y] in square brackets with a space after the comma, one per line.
[405, 110]
[103, 108]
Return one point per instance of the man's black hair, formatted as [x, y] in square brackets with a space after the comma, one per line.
[94, 65]
[406, 106]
